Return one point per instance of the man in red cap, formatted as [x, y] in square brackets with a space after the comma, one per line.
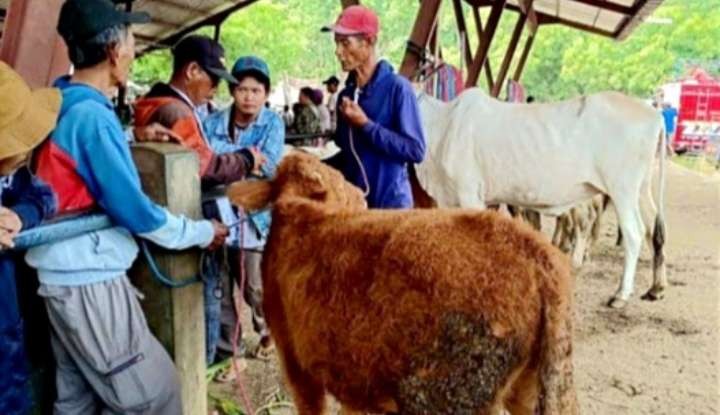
[379, 128]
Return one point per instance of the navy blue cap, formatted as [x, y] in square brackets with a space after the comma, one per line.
[81, 20]
[208, 53]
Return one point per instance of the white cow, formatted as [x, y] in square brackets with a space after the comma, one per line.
[549, 157]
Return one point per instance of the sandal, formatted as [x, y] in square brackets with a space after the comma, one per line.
[264, 353]
[228, 374]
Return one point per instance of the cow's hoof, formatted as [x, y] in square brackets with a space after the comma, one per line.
[617, 303]
[654, 294]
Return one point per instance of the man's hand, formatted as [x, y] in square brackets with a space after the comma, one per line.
[260, 160]
[221, 232]
[10, 226]
[156, 133]
[353, 113]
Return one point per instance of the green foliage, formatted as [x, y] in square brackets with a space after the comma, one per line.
[564, 62]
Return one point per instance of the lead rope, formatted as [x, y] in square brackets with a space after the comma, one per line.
[366, 192]
[239, 376]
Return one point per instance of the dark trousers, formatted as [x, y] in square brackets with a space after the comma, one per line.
[221, 287]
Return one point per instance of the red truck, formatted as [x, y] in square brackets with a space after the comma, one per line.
[698, 121]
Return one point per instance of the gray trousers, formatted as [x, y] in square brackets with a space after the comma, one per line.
[107, 360]
[252, 295]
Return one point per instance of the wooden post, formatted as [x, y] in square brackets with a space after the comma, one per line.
[484, 46]
[462, 28]
[30, 42]
[488, 65]
[523, 58]
[169, 175]
[421, 33]
[509, 54]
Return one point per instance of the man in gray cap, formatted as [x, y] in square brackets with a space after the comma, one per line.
[107, 359]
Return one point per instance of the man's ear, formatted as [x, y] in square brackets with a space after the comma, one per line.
[192, 71]
[250, 195]
[113, 53]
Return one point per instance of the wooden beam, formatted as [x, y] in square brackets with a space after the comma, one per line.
[527, 8]
[509, 54]
[488, 66]
[462, 27]
[607, 5]
[626, 22]
[427, 12]
[545, 19]
[523, 58]
[484, 46]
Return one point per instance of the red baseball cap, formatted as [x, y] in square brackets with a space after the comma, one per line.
[355, 20]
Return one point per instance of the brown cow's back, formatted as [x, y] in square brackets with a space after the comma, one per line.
[416, 307]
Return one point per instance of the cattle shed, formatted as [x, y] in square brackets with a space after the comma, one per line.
[31, 45]
[614, 19]
[173, 19]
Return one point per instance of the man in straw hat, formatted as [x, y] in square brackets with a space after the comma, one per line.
[26, 117]
[107, 359]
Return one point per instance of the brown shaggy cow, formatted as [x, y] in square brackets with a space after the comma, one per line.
[410, 312]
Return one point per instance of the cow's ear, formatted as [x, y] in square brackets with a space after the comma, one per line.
[315, 184]
[250, 195]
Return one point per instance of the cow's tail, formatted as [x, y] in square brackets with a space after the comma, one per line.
[659, 231]
[557, 389]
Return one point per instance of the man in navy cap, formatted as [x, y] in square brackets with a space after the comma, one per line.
[107, 359]
[378, 125]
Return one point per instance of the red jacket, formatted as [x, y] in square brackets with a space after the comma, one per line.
[164, 106]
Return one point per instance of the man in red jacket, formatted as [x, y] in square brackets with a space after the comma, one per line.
[197, 69]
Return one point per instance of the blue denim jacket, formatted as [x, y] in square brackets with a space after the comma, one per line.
[267, 133]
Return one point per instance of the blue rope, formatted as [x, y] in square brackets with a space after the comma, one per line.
[160, 276]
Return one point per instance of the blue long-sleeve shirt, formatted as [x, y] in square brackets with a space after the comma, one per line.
[385, 145]
[267, 133]
[87, 162]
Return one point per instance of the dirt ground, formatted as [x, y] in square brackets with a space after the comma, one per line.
[650, 358]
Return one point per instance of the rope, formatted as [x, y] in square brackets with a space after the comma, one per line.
[239, 378]
[164, 279]
[366, 191]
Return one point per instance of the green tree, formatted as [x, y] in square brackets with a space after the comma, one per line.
[564, 63]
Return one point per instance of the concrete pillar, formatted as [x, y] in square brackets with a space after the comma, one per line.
[169, 175]
[30, 42]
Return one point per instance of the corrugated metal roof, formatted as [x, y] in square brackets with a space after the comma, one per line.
[172, 19]
[612, 18]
